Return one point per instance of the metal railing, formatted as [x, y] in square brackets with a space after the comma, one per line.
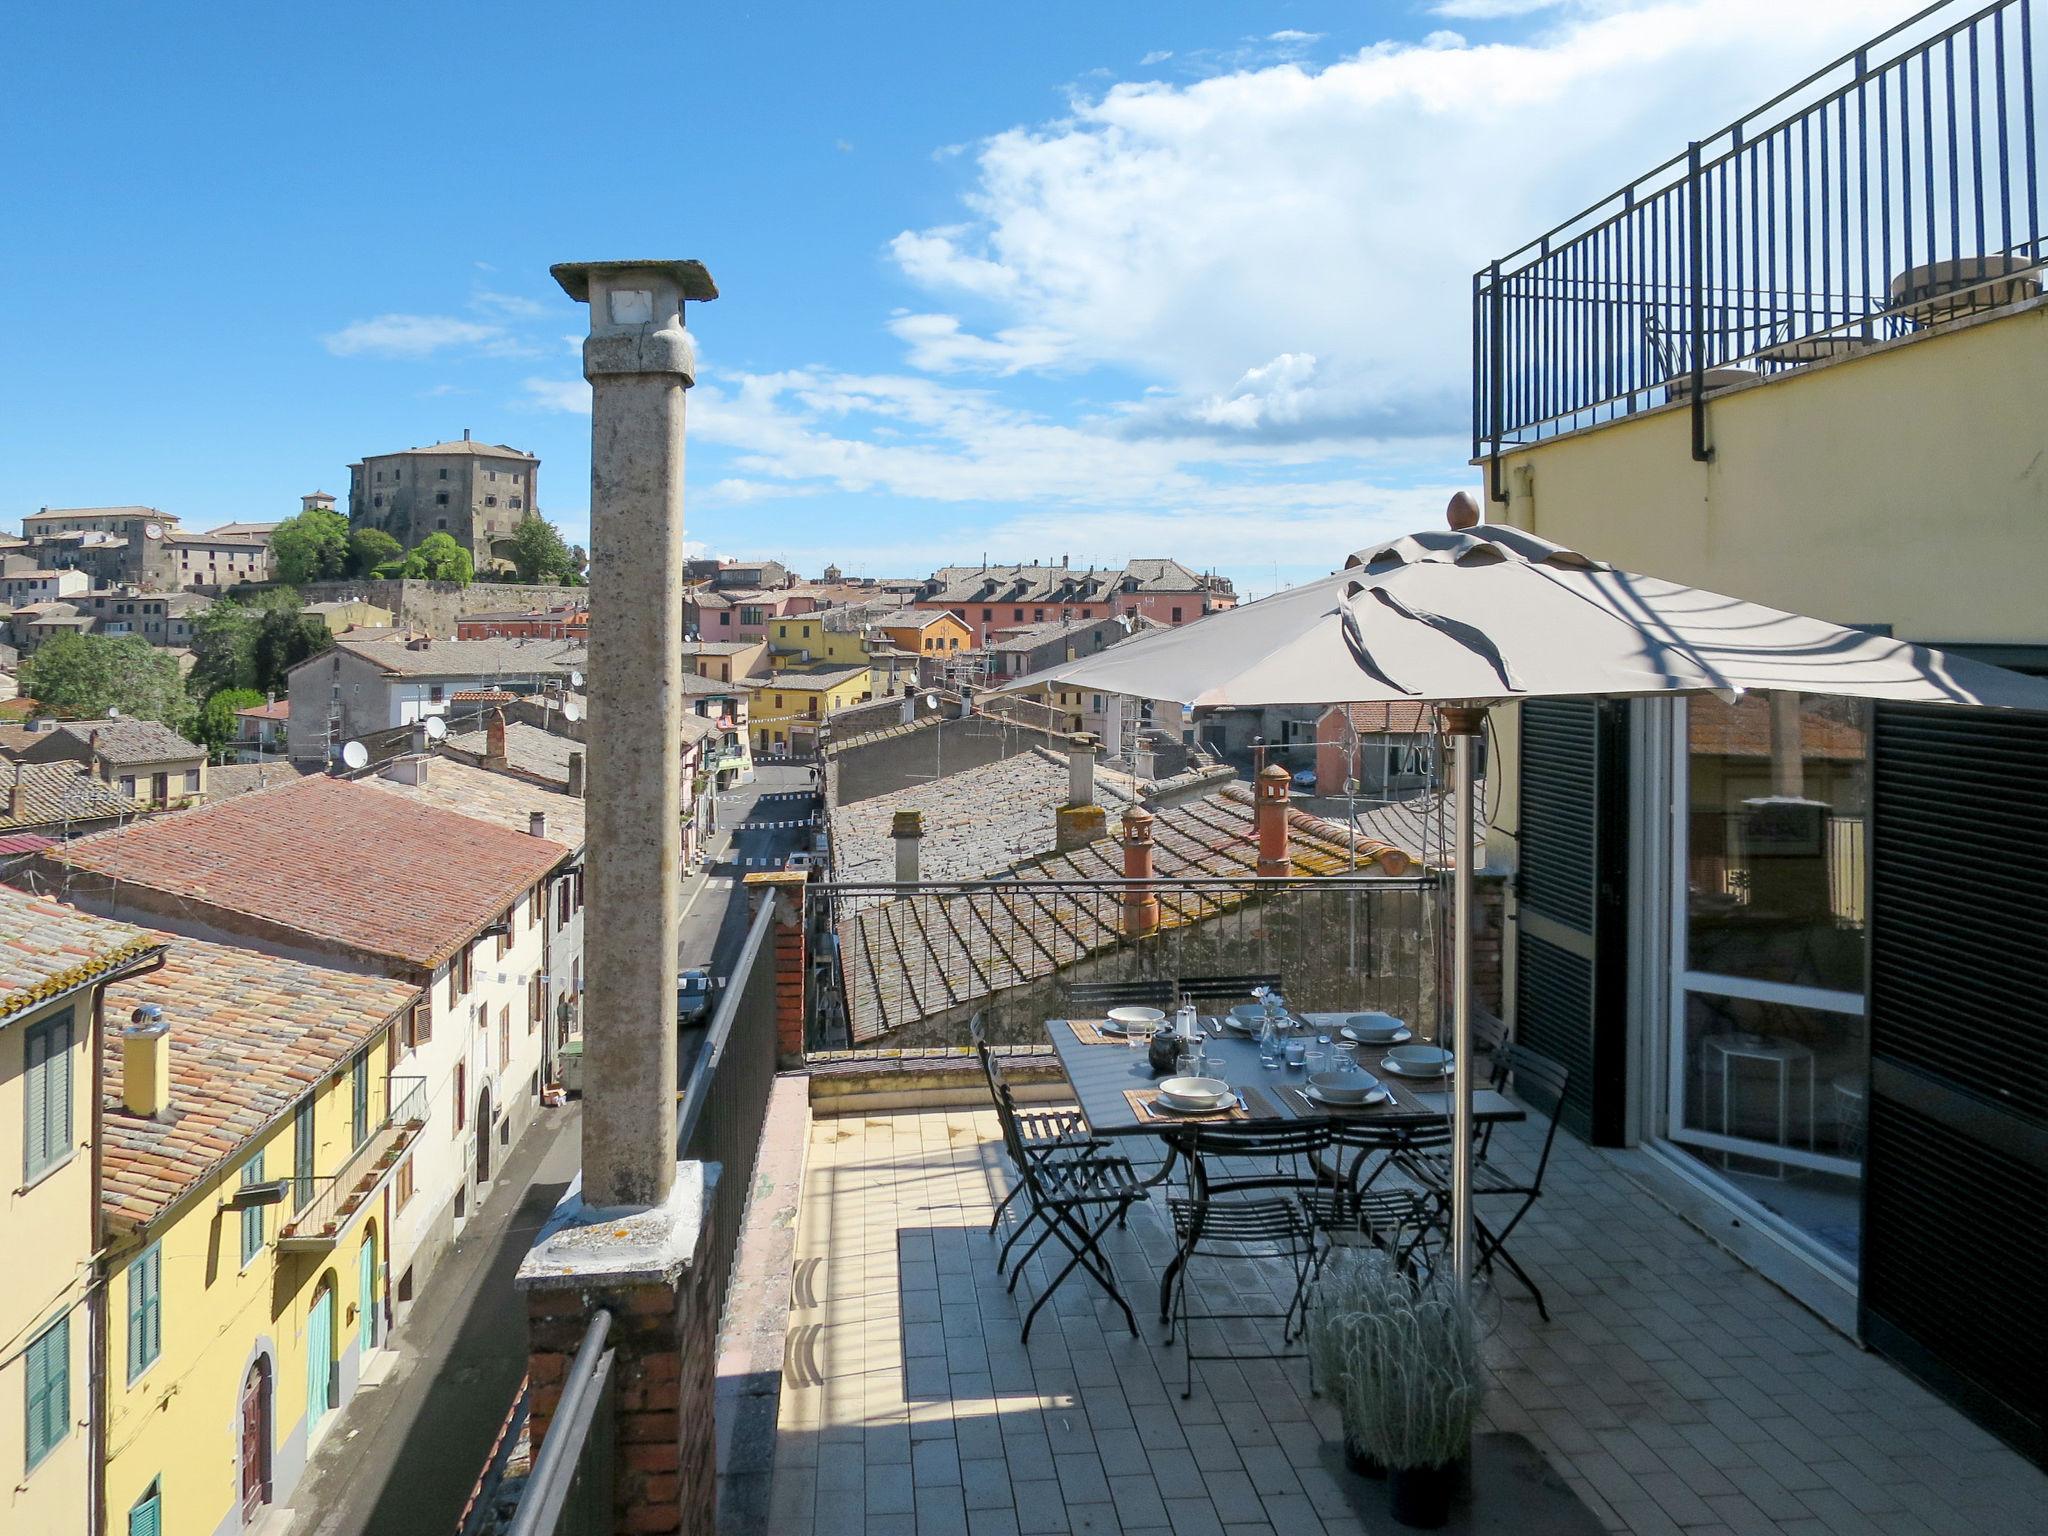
[915, 961]
[339, 1195]
[1894, 189]
[569, 1491]
[725, 1102]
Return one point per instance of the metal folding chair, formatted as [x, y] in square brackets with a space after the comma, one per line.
[1242, 1213]
[1537, 1080]
[1040, 1131]
[1207, 991]
[1076, 1193]
[1092, 999]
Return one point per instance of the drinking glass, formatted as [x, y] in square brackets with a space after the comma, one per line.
[1297, 1052]
[1316, 1056]
[1344, 1058]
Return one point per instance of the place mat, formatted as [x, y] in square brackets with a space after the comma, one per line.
[1401, 1104]
[1141, 1101]
[1089, 1032]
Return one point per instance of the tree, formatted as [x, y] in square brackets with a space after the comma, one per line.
[84, 676]
[438, 557]
[538, 552]
[369, 548]
[214, 726]
[311, 547]
[224, 640]
[285, 638]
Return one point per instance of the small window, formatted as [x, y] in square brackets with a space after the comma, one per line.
[468, 962]
[436, 693]
[46, 1072]
[444, 472]
[1038, 615]
[376, 501]
[191, 781]
[252, 1215]
[461, 1096]
[440, 522]
[48, 1358]
[146, 1515]
[490, 501]
[440, 498]
[1176, 615]
[403, 1182]
[145, 1310]
[359, 1100]
[518, 502]
[987, 615]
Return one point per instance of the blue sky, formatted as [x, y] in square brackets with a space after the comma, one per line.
[1097, 279]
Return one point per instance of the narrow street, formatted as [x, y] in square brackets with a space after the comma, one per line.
[405, 1454]
[762, 824]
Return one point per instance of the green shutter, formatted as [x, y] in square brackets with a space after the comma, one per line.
[47, 1095]
[49, 1389]
[145, 1310]
[252, 1216]
[147, 1517]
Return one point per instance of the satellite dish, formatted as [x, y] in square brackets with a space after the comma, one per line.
[575, 679]
[436, 727]
[931, 701]
[355, 755]
[571, 711]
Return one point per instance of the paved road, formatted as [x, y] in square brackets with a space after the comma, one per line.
[405, 1455]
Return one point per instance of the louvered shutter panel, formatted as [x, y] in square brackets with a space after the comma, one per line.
[57, 1075]
[146, 1518]
[1956, 1163]
[35, 1091]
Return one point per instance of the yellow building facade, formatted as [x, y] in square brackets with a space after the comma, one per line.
[246, 1269]
[53, 962]
[794, 699]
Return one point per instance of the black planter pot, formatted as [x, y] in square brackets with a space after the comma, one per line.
[1421, 1496]
[1361, 1461]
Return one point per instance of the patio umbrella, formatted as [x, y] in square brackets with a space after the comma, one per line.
[1474, 617]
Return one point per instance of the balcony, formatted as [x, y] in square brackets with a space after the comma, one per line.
[1890, 194]
[340, 1197]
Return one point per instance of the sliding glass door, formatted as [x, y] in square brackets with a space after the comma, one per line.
[1767, 1067]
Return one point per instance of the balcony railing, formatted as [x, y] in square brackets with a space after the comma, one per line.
[569, 1491]
[915, 961]
[339, 1197]
[1896, 189]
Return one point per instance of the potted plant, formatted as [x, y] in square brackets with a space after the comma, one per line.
[1346, 1293]
[1413, 1369]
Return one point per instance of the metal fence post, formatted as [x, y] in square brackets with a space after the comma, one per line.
[1696, 261]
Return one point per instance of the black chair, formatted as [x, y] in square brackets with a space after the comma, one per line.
[1206, 991]
[1242, 1212]
[1040, 1131]
[1354, 1205]
[1542, 1083]
[1093, 999]
[1076, 1193]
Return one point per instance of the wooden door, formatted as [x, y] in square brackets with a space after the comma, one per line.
[319, 1356]
[255, 1441]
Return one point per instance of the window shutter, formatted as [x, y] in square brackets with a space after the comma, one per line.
[146, 1518]
[37, 1049]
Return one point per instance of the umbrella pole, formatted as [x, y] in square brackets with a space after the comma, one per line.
[1463, 726]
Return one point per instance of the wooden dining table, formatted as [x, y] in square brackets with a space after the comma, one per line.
[1103, 1075]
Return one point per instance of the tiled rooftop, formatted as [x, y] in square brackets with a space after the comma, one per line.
[250, 1034]
[1674, 1389]
[488, 659]
[528, 750]
[125, 742]
[46, 949]
[495, 798]
[435, 879]
[54, 793]
[225, 780]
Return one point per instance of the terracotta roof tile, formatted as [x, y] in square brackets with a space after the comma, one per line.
[250, 1035]
[335, 860]
[47, 949]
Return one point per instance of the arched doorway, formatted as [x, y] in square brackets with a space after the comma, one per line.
[320, 1354]
[483, 1136]
[369, 1328]
[256, 1419]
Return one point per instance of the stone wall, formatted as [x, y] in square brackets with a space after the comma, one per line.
[898, 758]
[434, 606]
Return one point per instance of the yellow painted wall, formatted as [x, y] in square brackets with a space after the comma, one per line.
[807, 633]
[1907, 486]
[941, 636]
[47, 1230]
[180, 1420]
[765, 715]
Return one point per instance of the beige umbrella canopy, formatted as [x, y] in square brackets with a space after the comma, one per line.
[1481, 615]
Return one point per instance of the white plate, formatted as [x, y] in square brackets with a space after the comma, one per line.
[1378, 1096]
[1143, 1018]
[1242, 1026]
[1400, 1036]
[1174, 1106]
[1398, 1070]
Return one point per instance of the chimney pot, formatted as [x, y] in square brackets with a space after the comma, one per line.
[494, 739]
[537, 823]
[907, 829]
[1141, 905]
[146, 1063]
[1270, 815]
[576, 775]
[16, 801]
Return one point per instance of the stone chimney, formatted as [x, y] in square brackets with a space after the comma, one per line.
[146, 1063]
[494, 739]
[907, 829]
[1141, 904]
[537, 823]
[575, 789]
[1271, 816]
[16, 799]
[1080, 821]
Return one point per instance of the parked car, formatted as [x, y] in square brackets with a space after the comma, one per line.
[807, 863]
[1305, 778]
[693, 996]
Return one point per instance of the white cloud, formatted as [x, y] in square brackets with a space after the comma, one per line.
[517, 305]
[938, 345]
[1196, 233]
[417, 336]
[1290, 35]
[1493, 10]
[570, 395]
[1156, 56]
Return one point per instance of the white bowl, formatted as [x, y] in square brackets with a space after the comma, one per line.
[1143, 1020]
[1345, 1087]
[1372, 1028]
[1194, 1092]
[1419, 1060]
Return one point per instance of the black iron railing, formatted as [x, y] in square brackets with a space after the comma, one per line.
[725, 1102]
[1896, 189]
[569, 1491]
[915, 961]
